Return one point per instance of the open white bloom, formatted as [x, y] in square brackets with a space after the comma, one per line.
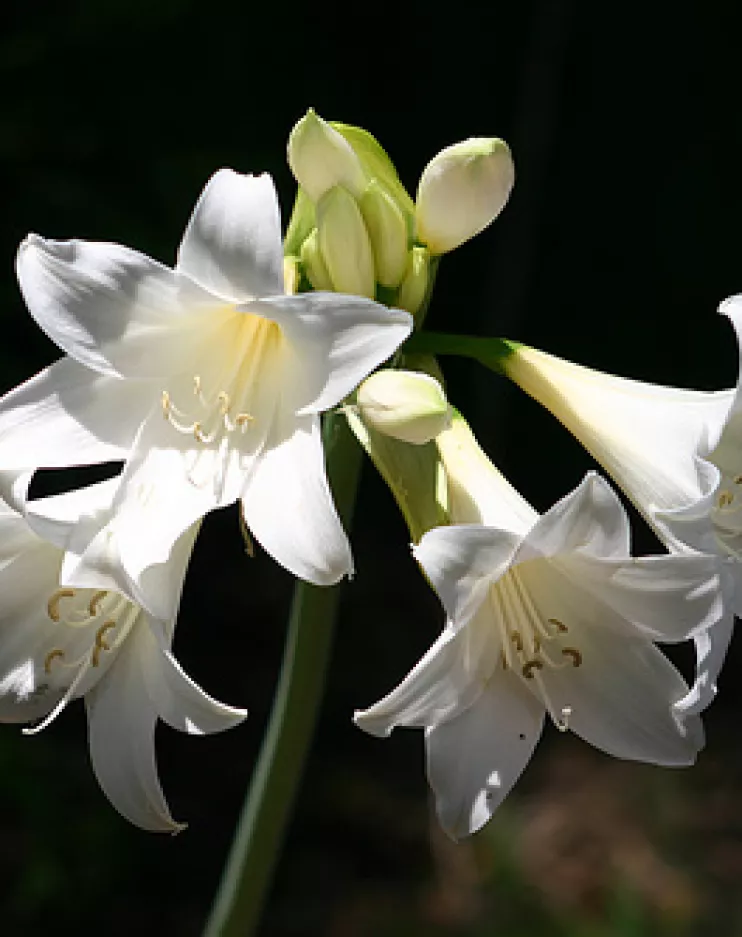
[677, 454]
[206, 379]
[545, 615]
[59, 643]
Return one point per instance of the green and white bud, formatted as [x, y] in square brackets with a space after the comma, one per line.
[461, 191]
[406, 405]
[314, 264]
[321, 158]
[414, 286]
[387, 230]
[345, 244]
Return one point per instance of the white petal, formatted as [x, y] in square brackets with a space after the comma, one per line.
[56, 518]
[462, 561]
[621, 699]
[121, 733]
[179, 701]
[474, 759]
[69, 415]
[665, 598]
[711, 649]
[647, 437]
[445, 681]
[590, 518]
[288, 505]
[232, 245]
[113, 309]
[333, 341]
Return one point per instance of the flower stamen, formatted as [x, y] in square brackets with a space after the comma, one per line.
[52, 606]
[52, 655]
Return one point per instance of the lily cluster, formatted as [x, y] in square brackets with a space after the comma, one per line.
[207, 383]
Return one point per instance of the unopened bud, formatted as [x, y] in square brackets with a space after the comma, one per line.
[461, 191]
[321, 158]
[344, 243]
[314, 263]
[414, 286]
[404, 404]
[387, 230]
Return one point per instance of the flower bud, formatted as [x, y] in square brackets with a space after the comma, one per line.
[461, 191]
[291, 275]
[414, 286]
[314, 263]
[388, 233]
[404, 404]
[344, 243]
[321, 158]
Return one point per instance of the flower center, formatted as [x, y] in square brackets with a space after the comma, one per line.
[91, 624]
[531, 643]
[726, 515]
[219, 401]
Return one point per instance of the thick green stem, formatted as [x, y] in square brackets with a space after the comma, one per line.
[491, 352]
[260, 832]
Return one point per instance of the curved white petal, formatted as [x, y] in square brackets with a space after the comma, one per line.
[621, 698]
[474, 759]
[461, 562]
[477, 492]
[113, 309]
[179, 701]
[590, 518]
[666, 598]
[56, 519]
[711, 649]
[445, 681]
[647, 437]
[333, 342]
[121, 733]
[288, 505]
[232, 245]
[69, 415]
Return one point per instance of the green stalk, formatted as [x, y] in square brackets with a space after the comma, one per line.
[256, 847]
[491, 352]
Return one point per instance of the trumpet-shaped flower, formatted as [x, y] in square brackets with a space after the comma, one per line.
[677, 454]
[545, 615]
[207, 379]
[59, 643]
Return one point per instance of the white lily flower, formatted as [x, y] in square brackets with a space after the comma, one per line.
[206, 379]
[60, 643]
[545, 615]
[677, 454]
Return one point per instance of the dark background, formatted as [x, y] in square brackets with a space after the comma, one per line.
[619, 241]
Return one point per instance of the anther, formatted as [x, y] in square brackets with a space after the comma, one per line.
[94, 604]
[517, 640]
[725, 498]
[738, 480]
[530, 666]
[52, 606]
[198, 433]
[100, 642]
[242, 420]
[573, 654]
[224, 402]
[166, 404]
[559, 625]
[52, 655]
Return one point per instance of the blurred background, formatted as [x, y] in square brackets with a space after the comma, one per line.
[619, 241]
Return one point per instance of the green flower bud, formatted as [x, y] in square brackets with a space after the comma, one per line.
[321, 158]
[407, 405]
[387, 230]
[415, 283]
[344, 242]
[461, 191]
[314, 263]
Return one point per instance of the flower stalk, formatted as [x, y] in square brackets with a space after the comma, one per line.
[260, 831]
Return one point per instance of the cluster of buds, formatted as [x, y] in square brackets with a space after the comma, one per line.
[355, 228]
